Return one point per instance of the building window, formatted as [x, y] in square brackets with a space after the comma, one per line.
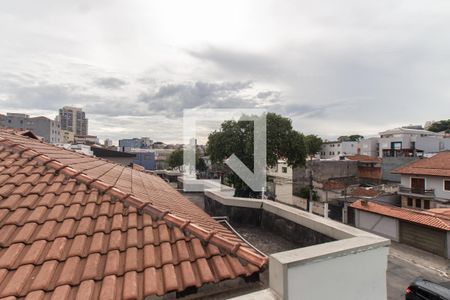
[426, 204]
[418, 185]
[284, 169]
[446, 185]
[418, 203]
[410, 202]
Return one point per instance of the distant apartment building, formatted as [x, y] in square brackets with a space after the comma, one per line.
[73, 119]
[108, 143]
[411, 142]
[369, 147]
[425, 183]
[338, 148]
[41, 126]
[135, 143]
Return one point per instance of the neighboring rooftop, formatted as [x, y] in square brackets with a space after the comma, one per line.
[364, 192]
[403, 130]
[74, 226]
[437, 219]
[364, 158]
[437, 165]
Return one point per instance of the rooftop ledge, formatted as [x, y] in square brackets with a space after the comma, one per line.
[351, 267]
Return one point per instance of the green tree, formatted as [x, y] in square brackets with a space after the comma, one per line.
[439, 126]
[236, 137]
[350, 138]
[313, 144]
[175, 159]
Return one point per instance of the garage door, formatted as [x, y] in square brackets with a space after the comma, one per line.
[425, 238]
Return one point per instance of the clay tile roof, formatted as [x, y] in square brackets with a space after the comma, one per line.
[333, 185]
[438, 165]
[364, 192]
[429, 218]
[74, 226]
[365, 158]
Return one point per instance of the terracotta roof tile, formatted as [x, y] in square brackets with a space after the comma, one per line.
[64, 235]
[108, 290]
[428, 218]
[438, 165]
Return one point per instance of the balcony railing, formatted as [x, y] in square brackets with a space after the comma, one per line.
[417, 191]
[402, 153]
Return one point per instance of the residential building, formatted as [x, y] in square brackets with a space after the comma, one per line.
[73, 119]
[145, 159]
[16, 120]
[67, 137]
[48, 129]
[108, 143]
[428, 230]
[425, 183]
[338, 148]
[86, 139]
[137, 143]
[369, 147]
[279, 182]
[2, 120]
[411, 142]
[369, 168]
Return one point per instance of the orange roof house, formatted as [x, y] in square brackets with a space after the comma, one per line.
[74, 226]
[439, 219]
[438, 165]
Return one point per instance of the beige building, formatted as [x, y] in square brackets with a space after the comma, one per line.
[73, 119]
[279, 182]
[67, 136]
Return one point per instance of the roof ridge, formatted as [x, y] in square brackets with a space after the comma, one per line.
[209, 236]
[441, 218]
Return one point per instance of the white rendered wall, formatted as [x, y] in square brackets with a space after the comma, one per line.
[378, 224]
[352, 277]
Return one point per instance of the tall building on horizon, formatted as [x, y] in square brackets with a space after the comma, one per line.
[73, 119]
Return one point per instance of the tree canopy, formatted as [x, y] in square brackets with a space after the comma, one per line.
[439, 126]
[350, 138]
[237, 137]
[175, 160]
[313, 144]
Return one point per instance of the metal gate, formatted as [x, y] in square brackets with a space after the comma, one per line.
[425, 238]
[335, 211]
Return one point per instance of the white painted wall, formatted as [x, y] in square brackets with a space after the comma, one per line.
[346, 277]
[378, 224]
[431, 182]
[333, 149]
[283, 192]
[369, 147]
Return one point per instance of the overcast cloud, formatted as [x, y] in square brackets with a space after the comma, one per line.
[334, 67]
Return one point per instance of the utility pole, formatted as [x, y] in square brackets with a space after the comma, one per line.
[311, 186]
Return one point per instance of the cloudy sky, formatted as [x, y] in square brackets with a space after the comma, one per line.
[334, 67]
